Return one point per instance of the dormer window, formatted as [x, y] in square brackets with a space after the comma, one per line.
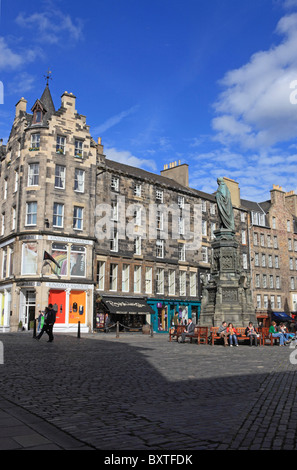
[38, 116]
[38, 112]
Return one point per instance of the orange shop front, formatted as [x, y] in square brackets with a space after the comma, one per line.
[74, 304]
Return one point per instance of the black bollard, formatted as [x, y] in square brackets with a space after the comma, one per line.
[78, 330]
[34, 328]
[117, 334]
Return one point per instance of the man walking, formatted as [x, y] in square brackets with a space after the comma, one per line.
[49, 321]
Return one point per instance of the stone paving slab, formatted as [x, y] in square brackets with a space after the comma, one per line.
[20, 430]
[139, 392]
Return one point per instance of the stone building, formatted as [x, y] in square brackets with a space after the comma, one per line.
[94, 236]
[147, 255]
[163, 271]
[48, 179]
[273, 235]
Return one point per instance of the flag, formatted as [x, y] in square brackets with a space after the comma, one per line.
[47, 256]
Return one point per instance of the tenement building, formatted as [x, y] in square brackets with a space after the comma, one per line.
[96, 237]
[273, 237]
[161, 243]
[48, 173]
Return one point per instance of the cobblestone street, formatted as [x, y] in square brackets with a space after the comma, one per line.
[139, 392]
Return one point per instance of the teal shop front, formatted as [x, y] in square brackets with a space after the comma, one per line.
[164, 310]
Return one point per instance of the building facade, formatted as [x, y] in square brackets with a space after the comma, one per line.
[273, 254]
[48, 173]
[98, 237]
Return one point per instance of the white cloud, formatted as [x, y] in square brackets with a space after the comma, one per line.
[13, 60]
[126, 157]
[254, 109]
[51, 25]
[114, 120]
[21, 83]
[256, 173]
[290, 4]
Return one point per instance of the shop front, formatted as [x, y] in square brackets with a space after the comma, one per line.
[73, 303]
[27, 293]
[131, 313]
[164, 311]
[5, 308]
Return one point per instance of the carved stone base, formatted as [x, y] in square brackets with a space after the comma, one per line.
[227, 296]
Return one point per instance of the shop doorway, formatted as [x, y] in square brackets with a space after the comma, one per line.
[163, 318]
[30, 306]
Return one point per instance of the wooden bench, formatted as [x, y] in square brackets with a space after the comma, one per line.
[200, 334]
[241, 336]
[266, 336]
[175, 332]
[214, 335]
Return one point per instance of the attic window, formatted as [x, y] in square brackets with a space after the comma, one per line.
[38, 115]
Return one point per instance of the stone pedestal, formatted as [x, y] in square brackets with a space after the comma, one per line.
[226, 296]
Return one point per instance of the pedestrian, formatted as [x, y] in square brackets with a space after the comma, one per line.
[252, 333]
[49, 321]
[39, 320]
[107, 323]
[175, 323]
[222, 332]
[276, 334]
[232, 335]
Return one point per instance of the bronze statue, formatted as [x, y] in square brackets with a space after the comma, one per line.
[224, 203]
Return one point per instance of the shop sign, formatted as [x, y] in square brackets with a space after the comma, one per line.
[60, 285]
[70, 240]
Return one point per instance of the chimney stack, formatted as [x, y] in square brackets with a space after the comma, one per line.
[177, 172]
[21, 106]
[68, 101]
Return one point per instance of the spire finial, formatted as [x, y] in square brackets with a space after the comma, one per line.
[48, 76]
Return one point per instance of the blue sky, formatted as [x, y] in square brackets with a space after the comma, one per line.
[206, 82]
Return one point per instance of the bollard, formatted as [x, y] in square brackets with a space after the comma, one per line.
[152, 331]
[78, 330]
[34, 328]
[117, 335]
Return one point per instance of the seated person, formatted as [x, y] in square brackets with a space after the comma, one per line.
[190, 329]
[276, 334]
[251, 332]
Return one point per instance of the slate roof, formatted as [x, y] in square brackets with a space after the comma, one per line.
[155, 178]
[256, 206]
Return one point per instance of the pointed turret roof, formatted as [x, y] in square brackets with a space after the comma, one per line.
[47, 101]
[46, 105]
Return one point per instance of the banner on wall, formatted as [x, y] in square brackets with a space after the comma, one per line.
[2, 309]
[59, 255]
[29, 258]
[78, 261]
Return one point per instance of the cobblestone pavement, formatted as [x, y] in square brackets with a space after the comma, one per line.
[139, 392]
